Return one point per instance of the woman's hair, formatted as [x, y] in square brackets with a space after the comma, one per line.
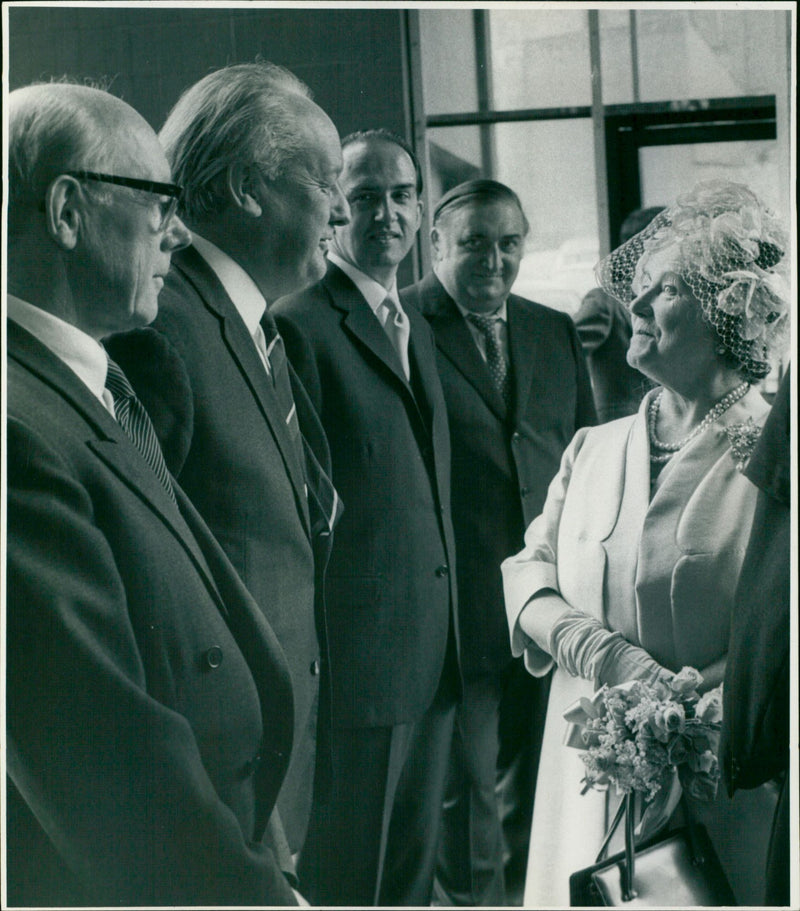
[733, 255]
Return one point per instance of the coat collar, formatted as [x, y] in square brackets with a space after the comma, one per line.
[110, 443]
[454, 339]
[196, 271]
[360, 320]
[530, 354]
[362, 324]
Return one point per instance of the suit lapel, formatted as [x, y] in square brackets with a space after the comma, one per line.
[528, 354]
[361, 322]
[455, 341]
[243, 351]
[111, 445]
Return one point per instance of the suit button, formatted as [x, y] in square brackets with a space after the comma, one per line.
[523, 491]
[442, 571]
[515, 437]
[213, 657]
[315, 667]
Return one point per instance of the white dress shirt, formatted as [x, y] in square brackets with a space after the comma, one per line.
[375, 295]
[85, 356]
[241, 289]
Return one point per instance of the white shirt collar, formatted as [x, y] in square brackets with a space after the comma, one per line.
[85, 356]
[500, 312]
[241, 288]
[374, 292]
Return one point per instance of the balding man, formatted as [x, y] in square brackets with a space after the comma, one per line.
[148, 701]
[517, 389]
[258, 162]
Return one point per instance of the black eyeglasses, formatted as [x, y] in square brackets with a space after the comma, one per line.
[171, 190]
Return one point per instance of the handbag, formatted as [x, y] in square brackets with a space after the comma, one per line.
[676, 869]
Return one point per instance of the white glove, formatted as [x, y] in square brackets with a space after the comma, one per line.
[583, 647]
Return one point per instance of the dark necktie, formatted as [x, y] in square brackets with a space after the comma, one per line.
[135, 421]
[319, 489]
[279, 373]
[495, 359]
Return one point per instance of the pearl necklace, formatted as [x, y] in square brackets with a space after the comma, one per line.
[667, 450]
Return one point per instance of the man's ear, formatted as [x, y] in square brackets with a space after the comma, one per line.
[435, 241]
[64, 211]
[420, 210]
[242, 186]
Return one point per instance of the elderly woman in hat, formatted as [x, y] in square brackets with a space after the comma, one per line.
[630, 570]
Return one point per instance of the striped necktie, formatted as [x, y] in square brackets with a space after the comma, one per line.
[134, 420]
[279, 374]
[495, 358]
[324, 503]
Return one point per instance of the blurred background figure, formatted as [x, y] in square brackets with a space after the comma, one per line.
[630, 571]
[755, 724]
[604, 328]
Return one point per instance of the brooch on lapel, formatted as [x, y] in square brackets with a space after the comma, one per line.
[742, 437]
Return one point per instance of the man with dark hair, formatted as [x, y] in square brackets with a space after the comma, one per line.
[516, 390]
[604, 328]
[369, 368]
[148, 701]
[259, 163]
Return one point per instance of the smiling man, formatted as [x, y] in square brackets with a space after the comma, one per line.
[259, 163]
[516, 389]
[369, 367]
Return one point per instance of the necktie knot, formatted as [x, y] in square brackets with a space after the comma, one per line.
[495, 356]
[485, 322]
[117, 383]
[398, 329]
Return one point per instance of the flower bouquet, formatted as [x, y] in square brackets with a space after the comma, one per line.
[654, 740]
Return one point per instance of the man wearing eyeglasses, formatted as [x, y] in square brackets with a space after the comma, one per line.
[148, 701]
[259, 163]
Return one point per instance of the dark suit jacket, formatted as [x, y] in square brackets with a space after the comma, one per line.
[390, 590]
[502, 463]
[236, 462]
[755, 728]
[604, 328]
[149, 713]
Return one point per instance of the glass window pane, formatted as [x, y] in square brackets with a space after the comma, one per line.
[615, 56]
[710, 54]
[668, 171]
[455, 156]
[447, 49]
[550, 165]
[539, 58]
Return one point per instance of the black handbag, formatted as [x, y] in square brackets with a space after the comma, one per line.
[676, 869]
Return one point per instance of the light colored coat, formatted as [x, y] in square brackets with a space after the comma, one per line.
[659, 568]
